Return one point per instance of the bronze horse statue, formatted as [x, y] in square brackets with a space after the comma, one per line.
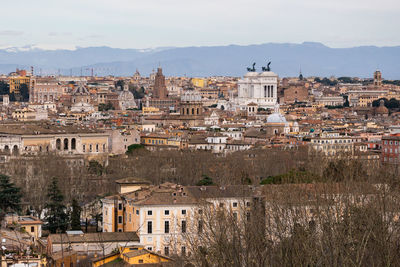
[252, 69]
[268, 68]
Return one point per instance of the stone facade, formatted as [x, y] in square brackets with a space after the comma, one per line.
[259, 88]
[295, 94]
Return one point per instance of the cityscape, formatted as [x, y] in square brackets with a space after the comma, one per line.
[152, 157]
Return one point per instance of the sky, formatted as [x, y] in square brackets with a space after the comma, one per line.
[60, 24]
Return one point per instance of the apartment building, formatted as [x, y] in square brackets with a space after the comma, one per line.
[164, 216]
[332, 143]
[391, 149]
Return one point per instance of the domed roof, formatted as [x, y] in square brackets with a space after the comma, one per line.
[126, 94]
[276, 117]
[381, 109]
[81, 90]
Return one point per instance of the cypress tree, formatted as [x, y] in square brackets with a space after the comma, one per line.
[10, 195]
[75, 215]
[56, 214]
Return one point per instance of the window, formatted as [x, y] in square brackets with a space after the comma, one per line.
[149, 227]
[234, 204]
[84, 148]
[149, 212]
[183, 226]
[141, 261]
[120, 206]
[166, 227]
[32, 229]
[119, 219]
[166, 251]
[235, 215]
[248, 203]
[183, 212]
[137, 212]
[166, 212]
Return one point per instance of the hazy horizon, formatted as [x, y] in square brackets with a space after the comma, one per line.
[141, 25]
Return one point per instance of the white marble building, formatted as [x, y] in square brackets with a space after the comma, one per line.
[259, 88]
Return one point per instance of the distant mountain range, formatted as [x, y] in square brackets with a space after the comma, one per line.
[314, 59]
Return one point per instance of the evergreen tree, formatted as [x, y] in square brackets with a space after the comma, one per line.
[10, 195]
[56, 214]
[75, 215]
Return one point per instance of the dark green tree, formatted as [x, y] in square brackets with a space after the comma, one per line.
[95, 168]
[105, 107]
[205, 181]
[24, 92]
[10, 195]
[76, 215]
[133, 148]
[4, 88]
[119, 84]
[56, 214]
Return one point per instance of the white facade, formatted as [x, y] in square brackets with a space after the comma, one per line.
[155, 217]
[259, 88]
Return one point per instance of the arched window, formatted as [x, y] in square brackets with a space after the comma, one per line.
[6, 149]
[15, 150]
[65, 144]
[58, 144]
[73, 144]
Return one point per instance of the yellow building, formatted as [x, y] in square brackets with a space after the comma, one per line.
[17, 81]
[132, 255]
[199, 82]
[150, 110]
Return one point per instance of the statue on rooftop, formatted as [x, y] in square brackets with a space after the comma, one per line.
[252, 69]
[268, 68]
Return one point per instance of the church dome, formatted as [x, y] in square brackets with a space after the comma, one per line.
[81, 90]
[276, 117]
[381, 109]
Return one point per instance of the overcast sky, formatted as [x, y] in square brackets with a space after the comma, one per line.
[158, 23]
